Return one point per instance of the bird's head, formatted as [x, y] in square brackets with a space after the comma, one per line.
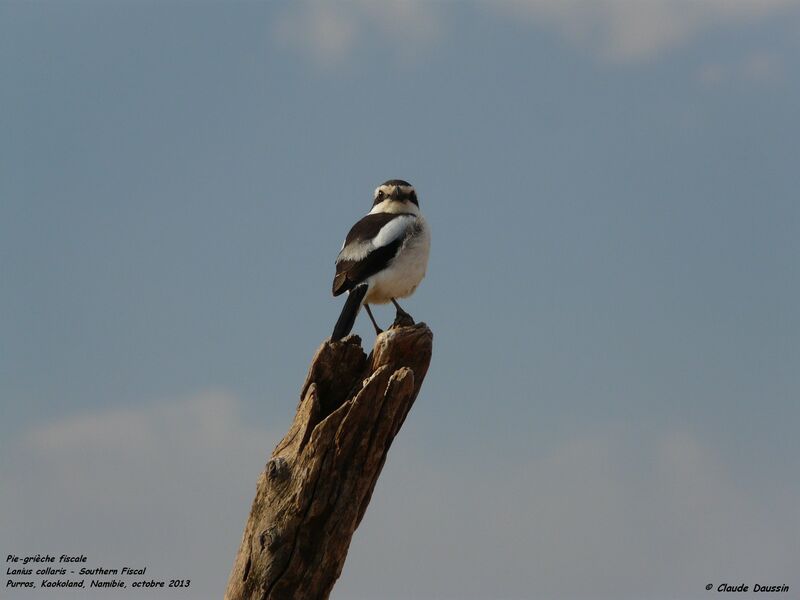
[395, 196]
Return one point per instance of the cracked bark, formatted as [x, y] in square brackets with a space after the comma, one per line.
[315, 488]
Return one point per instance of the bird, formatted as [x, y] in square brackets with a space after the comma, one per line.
[384, 256]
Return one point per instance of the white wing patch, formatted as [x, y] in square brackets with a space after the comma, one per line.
[392, 230]
[356, 251]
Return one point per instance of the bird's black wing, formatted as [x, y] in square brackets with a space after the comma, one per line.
[367, 228]
[361, 257]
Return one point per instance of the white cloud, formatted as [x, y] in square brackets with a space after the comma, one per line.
[760, 67]
[606, 514]
[623, 31]
[611, 512]
[165, 484]
[616, 31]
[330, 32]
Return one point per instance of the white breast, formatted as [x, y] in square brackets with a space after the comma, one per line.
[406, 271]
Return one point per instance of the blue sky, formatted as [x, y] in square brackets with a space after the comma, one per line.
[612, 408]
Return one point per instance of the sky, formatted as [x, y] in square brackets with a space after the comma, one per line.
[612, 406]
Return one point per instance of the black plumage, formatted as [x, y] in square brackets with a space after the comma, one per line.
[347, 318]
[384, 256]
[349, 273]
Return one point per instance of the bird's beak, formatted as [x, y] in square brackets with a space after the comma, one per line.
[395, 195]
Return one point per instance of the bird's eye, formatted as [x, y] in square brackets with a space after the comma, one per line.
[380, 195]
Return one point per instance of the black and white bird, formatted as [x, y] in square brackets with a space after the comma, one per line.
[384, 256]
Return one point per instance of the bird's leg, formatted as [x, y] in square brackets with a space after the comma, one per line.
[378, 330]
[402, 318]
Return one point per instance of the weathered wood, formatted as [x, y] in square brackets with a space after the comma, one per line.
[315, 488]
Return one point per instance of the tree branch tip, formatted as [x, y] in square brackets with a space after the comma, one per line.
[352, 339]
[397, 329]
[314, 490]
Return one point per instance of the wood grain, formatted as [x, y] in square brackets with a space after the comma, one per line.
[315, 488]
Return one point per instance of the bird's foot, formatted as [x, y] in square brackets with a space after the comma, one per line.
[403, 319]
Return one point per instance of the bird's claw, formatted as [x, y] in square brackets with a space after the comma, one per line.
[403, 319]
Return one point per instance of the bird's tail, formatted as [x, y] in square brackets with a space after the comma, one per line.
[349, 312]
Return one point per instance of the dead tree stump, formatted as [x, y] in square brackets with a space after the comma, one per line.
[315, 488]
